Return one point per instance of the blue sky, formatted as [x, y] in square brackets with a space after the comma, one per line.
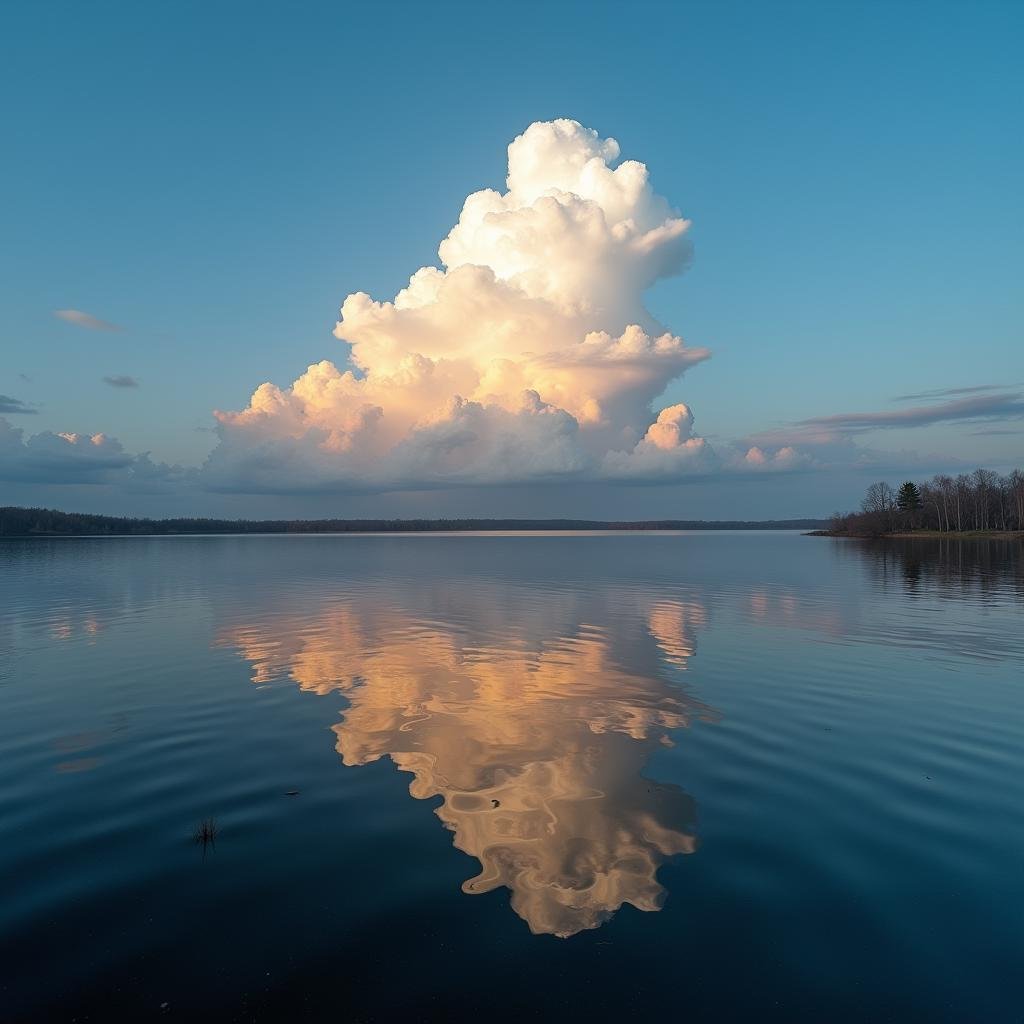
[216, 178]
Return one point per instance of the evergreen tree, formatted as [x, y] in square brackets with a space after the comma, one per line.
[908, 498]
[908, 501]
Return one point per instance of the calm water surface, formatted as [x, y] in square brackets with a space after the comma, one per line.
[705, 776]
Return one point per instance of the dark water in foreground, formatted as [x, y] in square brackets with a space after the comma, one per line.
[803, 758]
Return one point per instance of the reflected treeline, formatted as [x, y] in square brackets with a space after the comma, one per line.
[533, 726]
[945, 567]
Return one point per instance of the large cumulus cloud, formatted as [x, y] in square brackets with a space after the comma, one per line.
[527, 356]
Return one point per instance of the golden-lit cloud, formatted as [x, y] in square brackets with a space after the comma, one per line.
[528, 355]
[535, 747]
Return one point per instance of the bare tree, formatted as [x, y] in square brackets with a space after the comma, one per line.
[1016, 486]
[931, 498]
[946, 488]
[984, 481]
[962, 490]
[880, 504]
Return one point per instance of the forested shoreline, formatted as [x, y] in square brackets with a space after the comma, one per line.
[44, 522]
[982, 502]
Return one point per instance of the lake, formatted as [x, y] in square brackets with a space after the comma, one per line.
[708, 776]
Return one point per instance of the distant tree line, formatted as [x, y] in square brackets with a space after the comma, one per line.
[978, 501]
[28, 522]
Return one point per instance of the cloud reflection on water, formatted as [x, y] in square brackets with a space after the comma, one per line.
[535, 739]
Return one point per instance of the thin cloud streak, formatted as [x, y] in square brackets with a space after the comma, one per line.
[86, 320]
[1004, 406]
[121, 380]
[9, 405]
[947, 392]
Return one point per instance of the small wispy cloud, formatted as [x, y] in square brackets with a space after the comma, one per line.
[15, 406]
[86, 320]
[121, 380]
[994, 433]
[948, 392]
[25, 377]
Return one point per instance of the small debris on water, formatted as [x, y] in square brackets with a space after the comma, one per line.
[205, 834]
[292, 792]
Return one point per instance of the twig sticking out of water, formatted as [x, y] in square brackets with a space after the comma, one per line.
[205, 834]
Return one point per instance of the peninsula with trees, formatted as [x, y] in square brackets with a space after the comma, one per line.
[978, 504]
